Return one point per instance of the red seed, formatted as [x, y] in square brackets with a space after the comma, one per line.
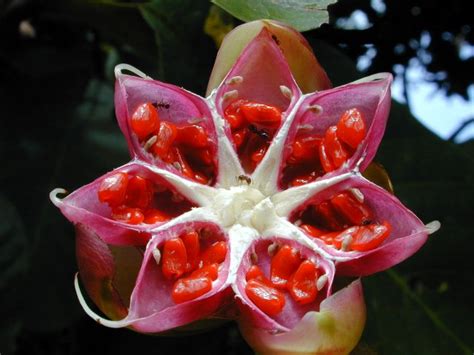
[302, 285]
[165, 138]
[139, 192]
[192, 136]
[174, 258]
[113, 188]
[239, 137]
[145, 121]
[185, 168]
[128, 215]
[304, 179]
[258, 155]
[312, 230]
[328, 237]
[334, 149]
[338, 238]
[193, 249]
[233, 115]
[351, 128]
[261, 114]
[371, 236]
[216, 253]
[153, 216]
[354, 211]
[326, 162]
[283, 265]
[270, 300]
[254, 272]
[304, 150]
[203, 155]
[211, 271]
[189, 288]
[326, 215]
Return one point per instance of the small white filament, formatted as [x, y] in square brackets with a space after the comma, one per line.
[272, 249]
[315, 109]
[359, 196]
[150, 142]
[346, 242]
[235, 80]
[157, 256]
[286, 91]
[433, 227]
[254, 257]
[230, 95]
[195, 120]
[322, 280]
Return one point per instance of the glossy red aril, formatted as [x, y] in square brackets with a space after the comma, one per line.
[254, 272]
[267, 298]
[128, 215]
[351, 128]
[165, 138]
[351, 209]
[346, 222]
[139, 192]
[312, 230]
[253, 126]
[334, 149]
[211, 271]
[153, 216]
[145, 121]
[371, 236]
[327, 217]
[312, 155]
[190, 288]
[284, 263]
[326, 161]
[233, 114]
[261, 114]
[183, 166]
[305, 150]
[302, 285]
[300, 282]
[215, 253]
[192, 136]
[193, 249]
[174, 258]
[113, 188]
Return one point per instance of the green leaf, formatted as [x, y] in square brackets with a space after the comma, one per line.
[303, 15]
[175, 27]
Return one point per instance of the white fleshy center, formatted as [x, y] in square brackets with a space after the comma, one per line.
[236, 205]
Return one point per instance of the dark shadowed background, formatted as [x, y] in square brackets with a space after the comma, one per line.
[58, 128]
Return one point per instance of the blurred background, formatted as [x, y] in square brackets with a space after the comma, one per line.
[57, 128]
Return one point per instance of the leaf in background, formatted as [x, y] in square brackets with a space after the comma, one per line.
[182, 47]
[13, 266]
[303, 15]
[218, 24]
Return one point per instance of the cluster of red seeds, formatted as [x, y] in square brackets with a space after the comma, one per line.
[186, 147]
[134, 199]
[313, 156]
[345, 222]
[253, 126]
[289, 272]
[192, 270]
